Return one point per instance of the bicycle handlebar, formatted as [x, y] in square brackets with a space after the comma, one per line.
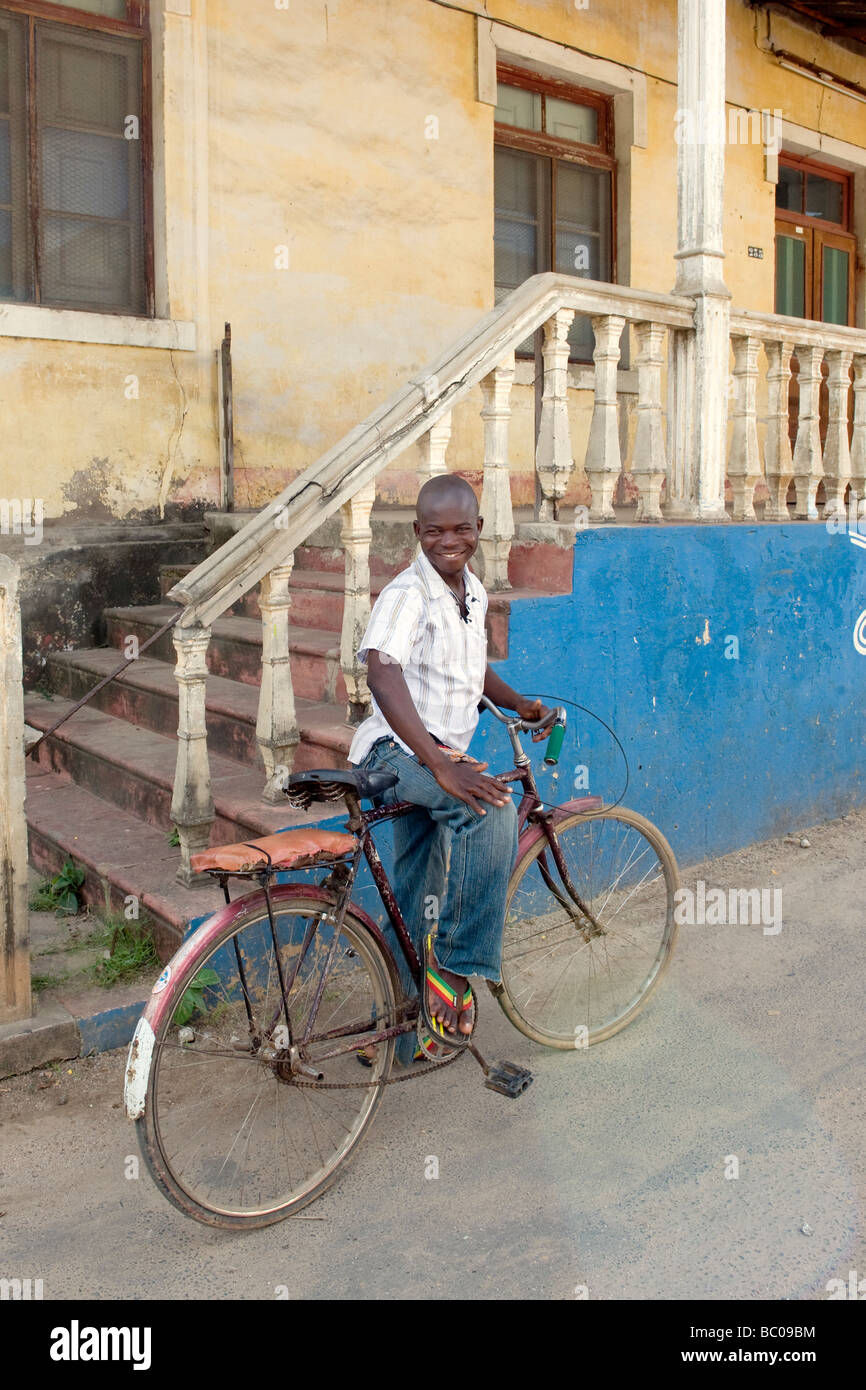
[517, 726]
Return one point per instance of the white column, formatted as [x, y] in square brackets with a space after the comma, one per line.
[837, 454]
[276, 726]
[356, 536]
[649, 464]
[778, 463]
[858, 438]
[681, 489]
[744, 462]
[434, 446]
[496, 491]
[603, 460]
[554, 461]
[700, 137]
[807, 446]
[14, 922]
[192, 808]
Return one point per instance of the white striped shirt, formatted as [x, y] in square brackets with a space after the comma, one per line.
[416, 622]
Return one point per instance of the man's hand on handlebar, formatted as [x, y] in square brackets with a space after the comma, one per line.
[531, 711]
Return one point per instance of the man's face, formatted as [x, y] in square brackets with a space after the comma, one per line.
[448, 529]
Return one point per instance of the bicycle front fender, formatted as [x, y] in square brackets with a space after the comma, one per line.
[182, 967]
[534, 831]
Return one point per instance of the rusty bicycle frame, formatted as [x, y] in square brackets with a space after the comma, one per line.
[336, 891]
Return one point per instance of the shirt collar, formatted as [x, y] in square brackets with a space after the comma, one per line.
[433, 581]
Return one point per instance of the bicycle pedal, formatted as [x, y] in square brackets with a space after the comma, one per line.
[508, 1079]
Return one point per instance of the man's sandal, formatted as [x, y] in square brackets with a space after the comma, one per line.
[454, 1042]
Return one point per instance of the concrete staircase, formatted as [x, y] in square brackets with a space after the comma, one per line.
[101, 787]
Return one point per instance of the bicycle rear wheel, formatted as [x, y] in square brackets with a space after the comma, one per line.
[228, 1134]
[576, 972]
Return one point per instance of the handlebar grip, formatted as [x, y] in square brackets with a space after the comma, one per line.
[554, 744]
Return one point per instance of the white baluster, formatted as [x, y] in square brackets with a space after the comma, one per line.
[192, 808]
[778, 463]
[554, 462]
[744, 463]
[837, 452]
[496, 491]
[680, 491]
[434, 446]
[276, 725]
[649, 463]
[858, 438]
[807, 446]
[603, 461]
[356, 536]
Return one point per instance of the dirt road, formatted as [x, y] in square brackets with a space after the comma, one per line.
[613, 1174]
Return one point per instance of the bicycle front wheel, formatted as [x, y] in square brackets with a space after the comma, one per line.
[581, 957]
[230, 1132]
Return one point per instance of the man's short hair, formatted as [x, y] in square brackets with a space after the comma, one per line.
[443, 485]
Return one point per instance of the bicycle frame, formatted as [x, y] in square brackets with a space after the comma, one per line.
[531, 817]
[533, 820]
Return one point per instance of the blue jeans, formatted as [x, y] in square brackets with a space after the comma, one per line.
[465, 905]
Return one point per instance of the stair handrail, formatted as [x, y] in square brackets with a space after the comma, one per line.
[284, 523]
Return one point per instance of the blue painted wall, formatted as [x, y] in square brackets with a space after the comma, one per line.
[722, 750]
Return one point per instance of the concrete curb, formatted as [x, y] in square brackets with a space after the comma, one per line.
[56, 1034]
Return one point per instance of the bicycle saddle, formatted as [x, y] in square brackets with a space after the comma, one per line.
[330, 784]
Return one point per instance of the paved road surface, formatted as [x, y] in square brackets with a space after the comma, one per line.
[608, 1173]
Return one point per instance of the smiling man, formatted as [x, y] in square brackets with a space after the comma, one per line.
[425, 648]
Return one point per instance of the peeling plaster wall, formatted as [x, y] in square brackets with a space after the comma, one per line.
[311, 121]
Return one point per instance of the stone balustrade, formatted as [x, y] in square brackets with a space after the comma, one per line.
[829, 400]
[662, 471]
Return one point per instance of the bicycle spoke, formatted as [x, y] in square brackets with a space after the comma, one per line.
[560, 973]
[240, 1141]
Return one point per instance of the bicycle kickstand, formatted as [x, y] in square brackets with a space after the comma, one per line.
[505, 1077]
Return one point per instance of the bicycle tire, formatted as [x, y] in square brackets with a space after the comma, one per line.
[189, 1196]
[579, 1032]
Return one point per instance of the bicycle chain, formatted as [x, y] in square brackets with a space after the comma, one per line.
[392, 1080]
[389, 1081]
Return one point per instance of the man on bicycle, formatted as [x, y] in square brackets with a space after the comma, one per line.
[425, 648]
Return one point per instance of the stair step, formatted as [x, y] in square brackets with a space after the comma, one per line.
[146, 695]
[121, 856]
[134, 769]
[236, 649]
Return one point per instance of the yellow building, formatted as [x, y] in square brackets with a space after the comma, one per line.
[338, 182]
[604, 260]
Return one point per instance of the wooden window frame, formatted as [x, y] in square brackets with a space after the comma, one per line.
[825, 171]
[818, 232]
[805, 236]
[135, 26]
[843, 242]
[600, 156]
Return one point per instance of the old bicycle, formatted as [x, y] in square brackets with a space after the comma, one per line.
[248, 1117]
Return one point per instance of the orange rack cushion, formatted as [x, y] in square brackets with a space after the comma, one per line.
[289, 849]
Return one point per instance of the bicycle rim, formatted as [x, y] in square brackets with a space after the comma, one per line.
[228, 1136]
[572, 978]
